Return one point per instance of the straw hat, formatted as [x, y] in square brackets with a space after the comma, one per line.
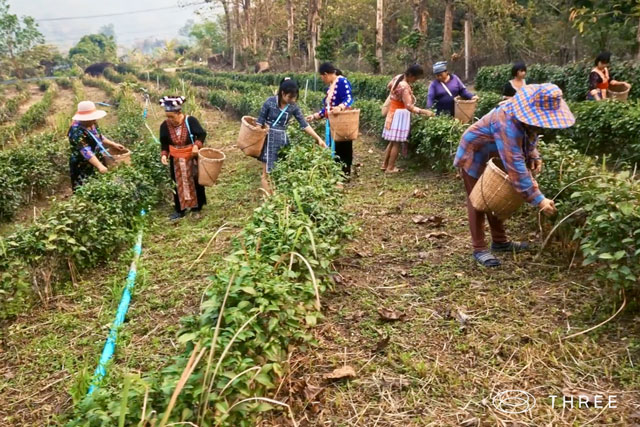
[541, 105]
[87, 111]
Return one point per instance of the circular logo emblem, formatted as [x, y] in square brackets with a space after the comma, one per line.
[514, 401]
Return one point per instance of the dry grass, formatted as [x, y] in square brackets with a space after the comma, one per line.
[466, 333]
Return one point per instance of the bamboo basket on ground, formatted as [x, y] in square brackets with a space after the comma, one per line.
[619, 92]
[209, 165]
[465, 109]
[117, 157]
[251, 137]
[344, 125]
[494, 192]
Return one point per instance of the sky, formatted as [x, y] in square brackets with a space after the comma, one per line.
[129, 27]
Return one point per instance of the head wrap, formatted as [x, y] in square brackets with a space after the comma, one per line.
[439, 67]
[172, 103]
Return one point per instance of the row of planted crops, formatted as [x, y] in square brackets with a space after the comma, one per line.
[266, 294]
[590, 167]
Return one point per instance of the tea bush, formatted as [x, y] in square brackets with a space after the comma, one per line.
[11, 107]
[33, 118]
[271, 293]
[573, 78]
[30, 170]
[91, 226]
[607, 221]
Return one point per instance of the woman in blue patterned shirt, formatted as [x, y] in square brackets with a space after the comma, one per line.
[276, 113]
[339, 97]
[88, 150]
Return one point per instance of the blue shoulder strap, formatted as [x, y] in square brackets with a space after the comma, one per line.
[97, 140]
[281, 113]
[186, 122]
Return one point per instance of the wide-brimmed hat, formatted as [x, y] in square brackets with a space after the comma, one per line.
[541, 105]
[439, 67]
[87, 111]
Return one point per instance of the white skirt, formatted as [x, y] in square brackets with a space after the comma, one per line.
[400, 126]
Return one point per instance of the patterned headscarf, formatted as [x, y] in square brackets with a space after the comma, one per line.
[172, 103]
[439, 67]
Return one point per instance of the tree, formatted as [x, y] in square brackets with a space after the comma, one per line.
[290, 31]
[209, 38]
[93, 48]
[604, 21]
[379, 33]
[314, 30]
[108, 30]
[18, 36]
[447, 36]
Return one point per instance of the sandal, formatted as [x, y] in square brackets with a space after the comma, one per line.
[394, 170]
[486, 259]
[510, 247]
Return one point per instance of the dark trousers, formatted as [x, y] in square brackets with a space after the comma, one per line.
[200, 190]
[476, 220]
[344, 155]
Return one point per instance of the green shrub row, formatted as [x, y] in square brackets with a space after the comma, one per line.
[100, 83]
[573, 79]
[30, 170]
[264, 296]
[11, 107]
[80, 232]
[33, 118]
[605, 128]
[602, 208]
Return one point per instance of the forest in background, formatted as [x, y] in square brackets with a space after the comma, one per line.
[380, 36]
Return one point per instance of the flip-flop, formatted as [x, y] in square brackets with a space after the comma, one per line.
[486, 259]
[396, 170]
[510, 247]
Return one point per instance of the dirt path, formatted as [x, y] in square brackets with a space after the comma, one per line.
[464, 333]
[36, 96]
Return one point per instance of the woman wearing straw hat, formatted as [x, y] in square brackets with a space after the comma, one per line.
[510, 132]
[87, 144]
[181, 137]
[398, 118]
[339, 97]
[444, 89]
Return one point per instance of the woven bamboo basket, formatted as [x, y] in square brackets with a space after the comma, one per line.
[117, 157]
[251, 137]
[465, 109]
[344, 125]
[619, 92]
[210, 163]
[494, 193]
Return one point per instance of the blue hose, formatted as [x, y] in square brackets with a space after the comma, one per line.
[123, 307]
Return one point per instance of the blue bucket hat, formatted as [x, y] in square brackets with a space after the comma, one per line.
[439, 67]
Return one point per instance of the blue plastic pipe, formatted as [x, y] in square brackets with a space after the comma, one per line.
[123, 307]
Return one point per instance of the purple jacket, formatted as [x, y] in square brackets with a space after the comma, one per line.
[439, 97]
